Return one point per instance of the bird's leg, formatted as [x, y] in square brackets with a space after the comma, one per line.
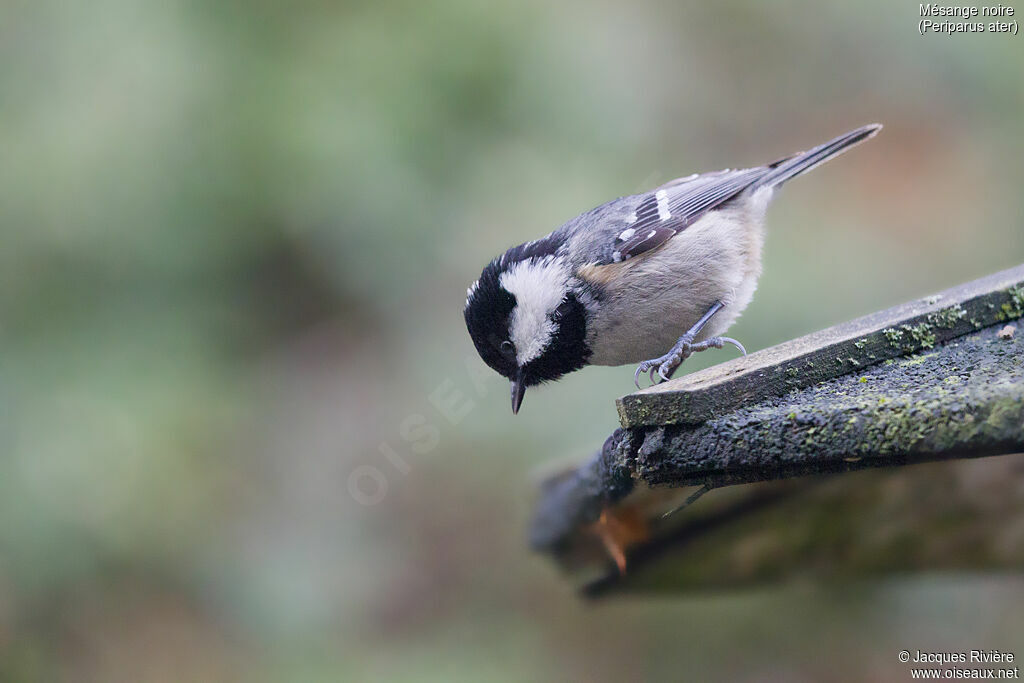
[666, 365]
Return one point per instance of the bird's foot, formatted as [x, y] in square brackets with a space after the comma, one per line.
[666, 365]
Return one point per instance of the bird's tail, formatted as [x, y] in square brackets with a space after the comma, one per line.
[784, 169]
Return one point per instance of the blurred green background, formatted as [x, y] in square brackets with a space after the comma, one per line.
[244, 432]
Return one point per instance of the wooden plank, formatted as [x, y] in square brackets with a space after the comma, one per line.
[964, 399]
[849, 347]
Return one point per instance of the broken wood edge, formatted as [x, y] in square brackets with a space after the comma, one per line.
[576, 498]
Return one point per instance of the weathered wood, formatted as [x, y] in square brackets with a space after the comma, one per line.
[963, 399]
[960, 399]
[914, 326]
[966, 515]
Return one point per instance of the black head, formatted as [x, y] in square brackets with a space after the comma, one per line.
[527, 321]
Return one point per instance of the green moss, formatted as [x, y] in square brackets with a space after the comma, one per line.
[1017, 299]
[894, 336]
[947, 317]
[641, 411]
[921, 337]
[909, 338]
[1014, 308]
[1004, 415]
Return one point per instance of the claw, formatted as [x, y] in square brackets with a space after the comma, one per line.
[736, 344]
[685, 347]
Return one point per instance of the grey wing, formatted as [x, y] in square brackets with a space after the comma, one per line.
[673, 207]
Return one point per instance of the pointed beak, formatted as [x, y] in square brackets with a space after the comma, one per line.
[518, 391]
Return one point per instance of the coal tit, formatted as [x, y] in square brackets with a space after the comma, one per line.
[619, 283]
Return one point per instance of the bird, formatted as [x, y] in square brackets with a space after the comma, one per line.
[648, 278]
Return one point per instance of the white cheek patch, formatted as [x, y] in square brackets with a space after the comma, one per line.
[539, 286]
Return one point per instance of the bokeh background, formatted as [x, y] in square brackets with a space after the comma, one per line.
[244, 432]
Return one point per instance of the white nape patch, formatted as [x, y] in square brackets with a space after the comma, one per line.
[626, 234]
[663, 212]
[539, 285]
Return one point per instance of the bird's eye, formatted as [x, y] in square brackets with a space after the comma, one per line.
[507, 348]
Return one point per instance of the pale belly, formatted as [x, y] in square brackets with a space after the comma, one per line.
[658, 298]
